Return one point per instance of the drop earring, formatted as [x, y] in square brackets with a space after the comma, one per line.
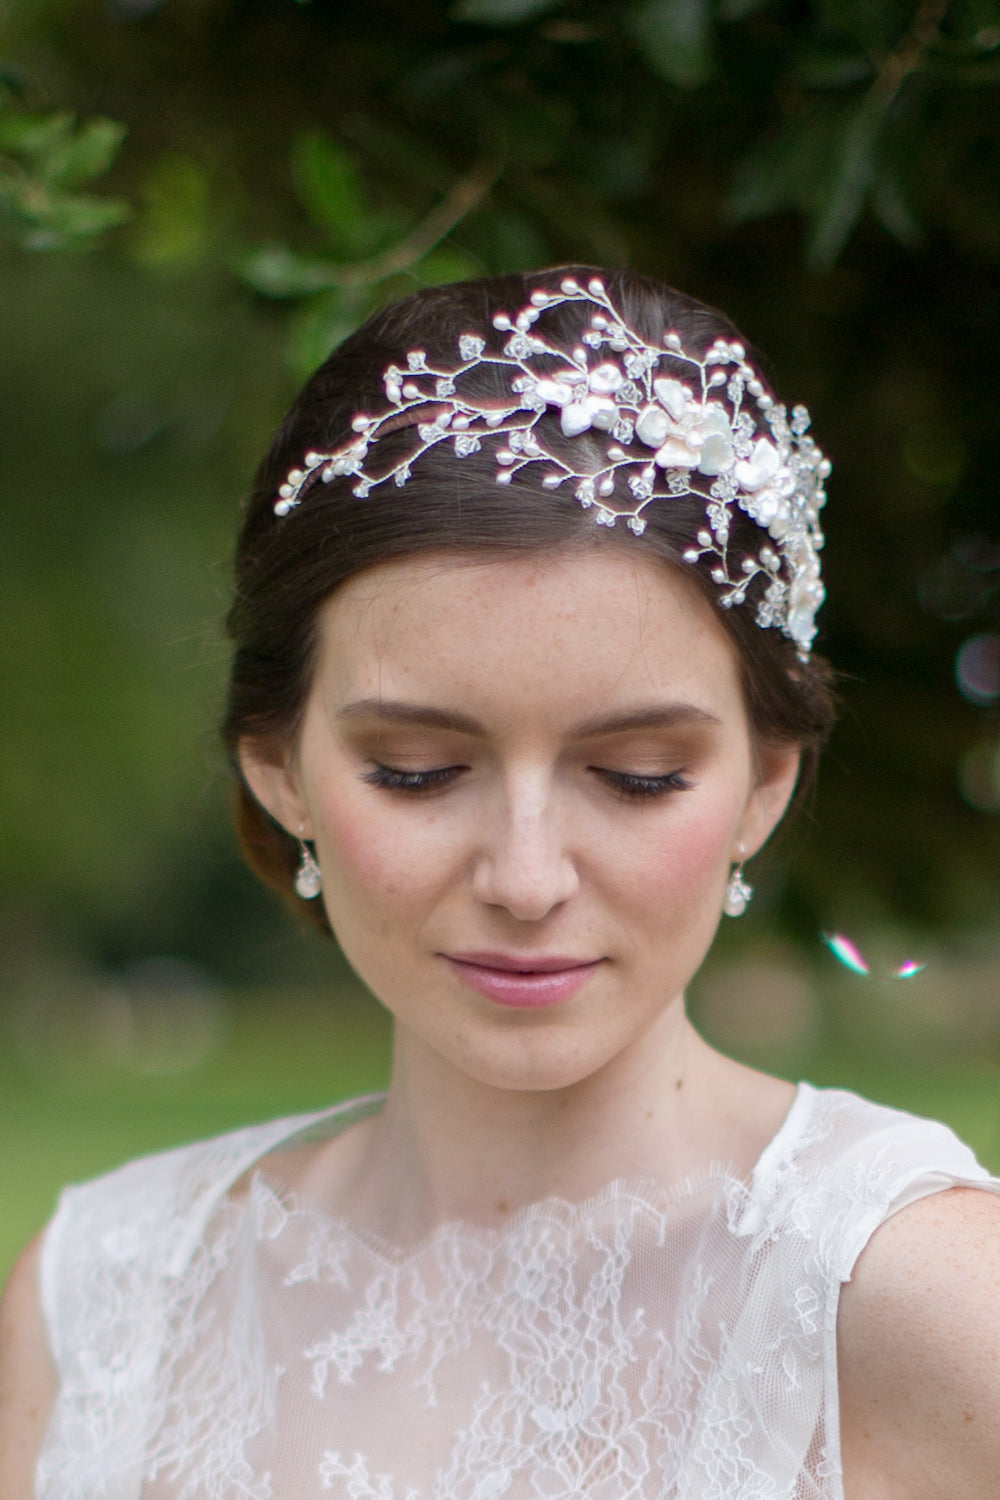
[738, 891]
[308, 876]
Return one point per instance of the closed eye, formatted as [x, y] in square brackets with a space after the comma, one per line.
[395, 780]
[633, 787]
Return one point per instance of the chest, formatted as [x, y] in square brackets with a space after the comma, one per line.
[621, 1353]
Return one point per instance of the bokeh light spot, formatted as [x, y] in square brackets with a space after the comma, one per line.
[848, 954]
[977, 669]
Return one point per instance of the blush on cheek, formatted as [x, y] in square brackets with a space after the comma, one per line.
[373, 852]
[693, 858]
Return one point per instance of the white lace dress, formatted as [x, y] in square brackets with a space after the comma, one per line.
[679, 1345]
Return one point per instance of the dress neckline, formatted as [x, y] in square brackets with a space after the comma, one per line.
[639, 1195]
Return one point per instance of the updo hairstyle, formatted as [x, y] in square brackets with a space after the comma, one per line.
[286, 567]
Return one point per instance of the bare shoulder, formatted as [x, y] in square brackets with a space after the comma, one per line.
[919, 1354]
[27, 1378]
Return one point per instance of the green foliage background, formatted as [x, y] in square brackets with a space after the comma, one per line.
[198, 197]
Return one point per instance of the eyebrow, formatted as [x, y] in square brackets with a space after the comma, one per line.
[397, 712]
[656, 716]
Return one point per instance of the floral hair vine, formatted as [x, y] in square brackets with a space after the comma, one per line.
[717, 434]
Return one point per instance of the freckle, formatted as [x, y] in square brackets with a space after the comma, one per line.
[968, 1417]
[503, 1207]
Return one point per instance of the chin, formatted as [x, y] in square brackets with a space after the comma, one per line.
[536, 1065]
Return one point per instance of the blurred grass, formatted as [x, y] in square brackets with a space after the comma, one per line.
[281, 1053]
[286, 1051]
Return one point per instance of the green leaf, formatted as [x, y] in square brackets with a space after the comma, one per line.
[841, 198]
[88, 153]
[501, 12]
[895, 214]
[277, 271]
[39, 220]
[332, 192]
[33, 136]
[782, 171]
[59, 151]
[827, 163]
[675, 37]
[77, 218]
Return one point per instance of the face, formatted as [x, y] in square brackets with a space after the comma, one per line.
[526, 780]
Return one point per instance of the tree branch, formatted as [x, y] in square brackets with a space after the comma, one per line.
[907, 56]
[466, 193]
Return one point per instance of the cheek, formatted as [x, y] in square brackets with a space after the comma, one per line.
[372, 855]
[676, 868]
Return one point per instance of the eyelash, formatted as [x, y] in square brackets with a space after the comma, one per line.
[395, 780]
[627, 784]
[633, 788]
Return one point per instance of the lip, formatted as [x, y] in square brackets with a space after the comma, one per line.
[523, 981]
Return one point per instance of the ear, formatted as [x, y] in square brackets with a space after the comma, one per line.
[272, 778]
[777, 773]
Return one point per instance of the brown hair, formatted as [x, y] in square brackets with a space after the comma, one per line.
[286, 568]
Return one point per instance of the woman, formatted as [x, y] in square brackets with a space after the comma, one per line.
[517, 760]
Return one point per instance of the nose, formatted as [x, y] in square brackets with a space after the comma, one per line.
[523, 864]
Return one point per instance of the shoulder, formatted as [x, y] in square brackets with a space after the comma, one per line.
[841, 1165]
[27, 1377]
[919, 1353]
[164, 1187]
[141, 1222]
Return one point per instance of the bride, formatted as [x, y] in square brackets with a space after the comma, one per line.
[523, 679]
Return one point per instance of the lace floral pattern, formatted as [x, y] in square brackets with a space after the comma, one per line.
[677, 1345]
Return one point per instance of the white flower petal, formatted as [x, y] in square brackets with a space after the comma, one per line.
[672, 395]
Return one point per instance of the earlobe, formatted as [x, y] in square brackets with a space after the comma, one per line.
[273, 782]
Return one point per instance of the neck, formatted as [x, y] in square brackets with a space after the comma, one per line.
[447, 1147]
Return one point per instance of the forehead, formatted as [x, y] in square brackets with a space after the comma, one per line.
[574, 630]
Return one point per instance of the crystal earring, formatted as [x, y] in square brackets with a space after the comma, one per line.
[308, 876]
[738, 891]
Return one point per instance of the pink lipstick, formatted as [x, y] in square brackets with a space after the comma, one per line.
[524, 982]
